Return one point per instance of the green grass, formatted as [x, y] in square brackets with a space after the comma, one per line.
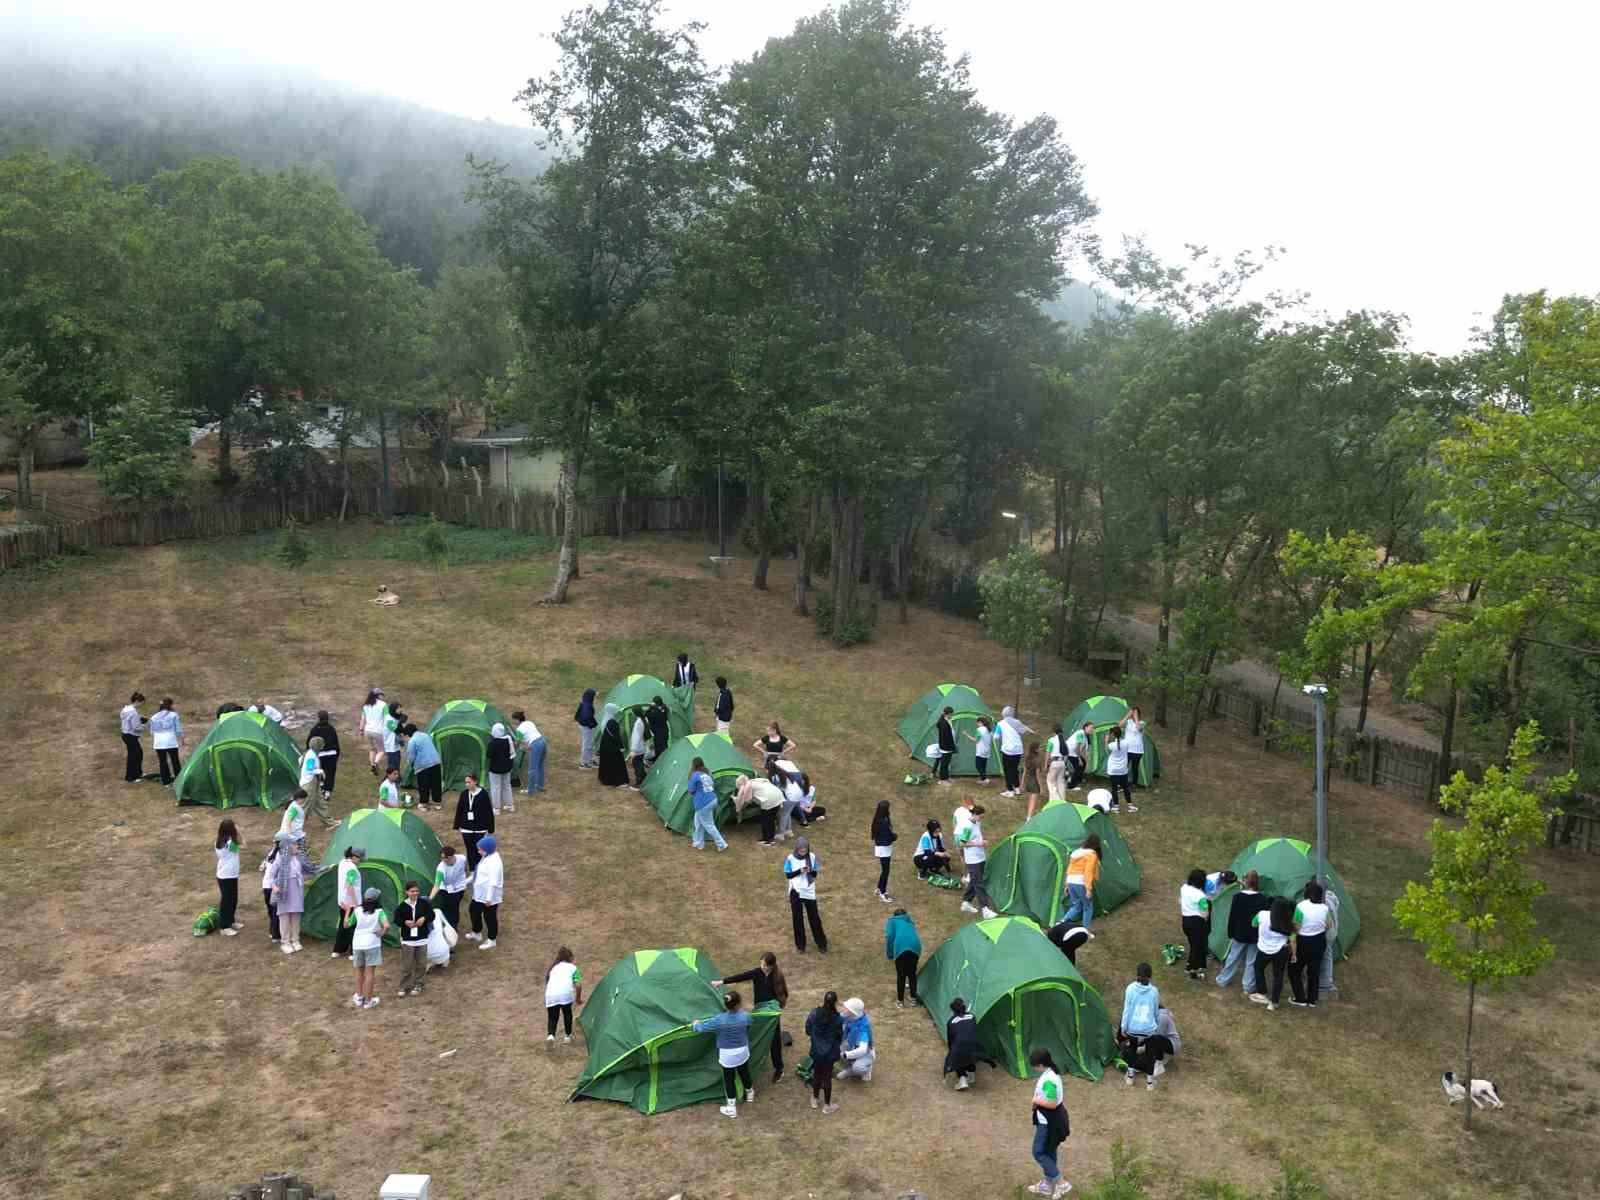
[390, 541]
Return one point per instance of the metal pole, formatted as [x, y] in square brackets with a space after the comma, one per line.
[1322, 797]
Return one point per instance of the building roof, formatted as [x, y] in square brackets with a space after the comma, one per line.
[506, 435]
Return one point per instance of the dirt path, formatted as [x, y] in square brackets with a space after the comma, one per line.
[1259, 680]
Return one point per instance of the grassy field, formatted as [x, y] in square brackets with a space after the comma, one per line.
[133, 1051]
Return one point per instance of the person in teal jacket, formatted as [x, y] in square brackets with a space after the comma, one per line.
[903, 947]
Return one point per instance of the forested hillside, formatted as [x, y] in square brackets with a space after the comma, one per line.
[135, 106]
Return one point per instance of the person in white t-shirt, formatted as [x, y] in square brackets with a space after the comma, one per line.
[563, 987]
[975, 853]
[982, 748]
[801, 868]
[1078, 755]
[1055, 775]
[1133, 735]
[294, 816]
[1011, 730]
[373, 712]
[266, 710]
[1312, 920]
[1117, 769]
[389, 790]
[534, 749]
[229, 843]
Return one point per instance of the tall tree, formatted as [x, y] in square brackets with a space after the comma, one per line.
[71, 256]
[1474, 916]
[584, 247]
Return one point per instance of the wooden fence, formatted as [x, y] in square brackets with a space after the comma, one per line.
[489, 508]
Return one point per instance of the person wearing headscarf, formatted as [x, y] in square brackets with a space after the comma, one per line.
[801, 869]
[292, 873]
[488, 889]
[1011, 730]
[502, 761]
[587, 725]
[858, 1052]
[613, 760]
[660, 728]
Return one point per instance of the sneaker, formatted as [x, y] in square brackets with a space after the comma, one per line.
[355, 999]
[1043, 1188]
[750, 1096]
[1311, 1003]
[1271, 1007]
[961, 1083]
[1062, 1189]
[551, 1038]
[729, 1110]
[944, 783]
[298, 947]
[1259, 997]
[335, 954]
[287, 947]
[373, 1003]
[403, 993]
[1150, 1083]
[230, 933]
[967, 908]
[899, 1003]
[829, 1109]
[989, 913]
[699, 847]
[885, 897]
[1127, 1077]
[1297, 1003]
[238, 925]
[815, 1103]
[1131, 808]
[566, 1039]
[1161, 1069]
[488, 945]
[472, 937]
[777, 1075]
[867, 1078]
[1116, 808]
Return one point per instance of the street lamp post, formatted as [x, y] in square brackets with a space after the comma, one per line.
[1318, 692]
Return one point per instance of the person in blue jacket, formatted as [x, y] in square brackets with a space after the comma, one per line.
[859, 1052]
[732, 1027]
[903, 947]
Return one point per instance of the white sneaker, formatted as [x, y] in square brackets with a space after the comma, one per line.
[566, 1038]
[1062, 1189]
[489, 945]
[298, 947]
[729, 1110]
[867, 1077]
[829, 1109]
[1258, 997]
[885, 897]
[238, 924]
[1161, 1069]
[750, 1096]
[989, 913]
[355, 999]
[403, 993]
[472, 937]
[230, 933]
[967, 908]
[1133, 808]
[287, 947]
[1271, 1007]
[961, 1083]
[815, 1103]
[551, 1038]
[374, 1002]
[1127, 1077]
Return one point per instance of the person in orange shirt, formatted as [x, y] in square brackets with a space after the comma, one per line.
[1083, 869]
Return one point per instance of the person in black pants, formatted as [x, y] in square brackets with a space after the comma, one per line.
[770, 990]
[947, 746]
[801, 870]
[902, 946]
[474, 818]
[883, 839]
[328, 756]
[132, 726]
[1067, 936]
[724, 709]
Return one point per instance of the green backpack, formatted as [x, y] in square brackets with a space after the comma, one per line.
[207, 921]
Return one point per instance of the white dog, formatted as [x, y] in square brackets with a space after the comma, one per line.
[1484, 1093]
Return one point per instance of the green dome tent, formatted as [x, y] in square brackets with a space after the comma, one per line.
[666, 787]
[1285, 865]
[635, 693]
[642, 1050]
[1023, 992]
[245, 759]
[460, 731]
[1026, 873]
[1103, 712]
[918, 729]
[400, 847]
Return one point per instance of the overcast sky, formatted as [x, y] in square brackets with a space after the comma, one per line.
[1423, 158]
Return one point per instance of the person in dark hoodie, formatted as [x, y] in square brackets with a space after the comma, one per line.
[769, 993]
[660, 733]
[825, 1028]
[683, 672]
[947, 746]
[966, 1049]
[328, 756]
[587, 724]
[474, 819]
[724, 709]
[1247, 902]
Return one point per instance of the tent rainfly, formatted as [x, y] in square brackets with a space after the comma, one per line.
[1285, 865]
[919, 727]
[667, 785]
[1026, 873]
[1103, 712]
[460, 731]
[400, 847]
[245, 759]
[635, 693]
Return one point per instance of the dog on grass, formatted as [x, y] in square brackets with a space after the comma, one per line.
[1484, 1093]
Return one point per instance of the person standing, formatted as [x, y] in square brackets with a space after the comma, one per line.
[825, 1028]
[293, 873]
[1325, 976]
[427, 768]
[1247, 902]
[1311, 937]
[394, 720]
[1050, 1124]
[414, 916]
[1011, 731]
[638, 749]
[488, 889]
[1055, 777]
[1078, 755]
[449, 881]
[314, 782]
[1275, 949]
[1194, 907]
[774, 745]
[703, 795]
[347, 890]
[587, 723]
[931, 857]
[502, 761]
[801, 869]
[1030, 779]
[534, 752]
[133, 724]
[474, 819]
[965, 1049]
[268, 868]
[1083, 871]
[975, 852]
[294, 816]
[1133, 735]
[857, 1050]
[732, 1030]
[770, 994]
[724, 707]
[683, 672]
[328, 756]
[613, 748]
[272, 714]
[374, 712]
[1117, 769]
[228, 846]
[883, 839]
[369, 924]
[166, 731]
[982, 746]
[660, 728]
[563, 987]
[903, 947]
[946, 733]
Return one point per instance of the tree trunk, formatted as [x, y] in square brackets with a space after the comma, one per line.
[902, 582]
[1060, 495]
[387, 490]
[26, 437]
[760, 503]
[1368, 669]
[622, 509]
[1272, 713]
[1511, 677]
[1164, 626]
[1163, 640]
[849, 541]
[808, 545]
[1447, 736]
[567, 561]
[225, 474]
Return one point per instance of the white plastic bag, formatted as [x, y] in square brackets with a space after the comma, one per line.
[933, 751]
[439, 940]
